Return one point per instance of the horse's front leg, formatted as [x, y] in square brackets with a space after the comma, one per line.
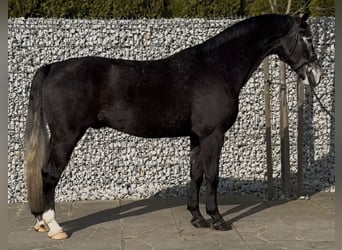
[196, 174]
[210, 156]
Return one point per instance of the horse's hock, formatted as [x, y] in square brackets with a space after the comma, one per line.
[107, 164]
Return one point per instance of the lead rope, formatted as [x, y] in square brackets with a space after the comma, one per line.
[316, 96]
[320, 103]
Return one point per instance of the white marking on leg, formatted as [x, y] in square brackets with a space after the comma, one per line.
[49, 219]
[40, 226]
[39, 222]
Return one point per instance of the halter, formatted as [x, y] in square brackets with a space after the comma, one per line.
[299, 65]
[309, 69]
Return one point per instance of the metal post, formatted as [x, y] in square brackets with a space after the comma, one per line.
[300, 136]
[268, 129]
[284, 134]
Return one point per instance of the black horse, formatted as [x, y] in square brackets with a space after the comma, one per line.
[194, 93]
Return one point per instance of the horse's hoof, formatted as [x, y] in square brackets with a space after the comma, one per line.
[201, 222]
[41, 228]
[221, 225]
[58, 236]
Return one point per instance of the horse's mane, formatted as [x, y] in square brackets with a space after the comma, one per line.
[270, 25]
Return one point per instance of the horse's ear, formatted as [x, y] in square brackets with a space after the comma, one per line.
[301, 19]
[304, 17]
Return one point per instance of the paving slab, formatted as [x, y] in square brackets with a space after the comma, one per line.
[164, 223]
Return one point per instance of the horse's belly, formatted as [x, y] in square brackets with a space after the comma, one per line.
[148, 123]
[153, 130]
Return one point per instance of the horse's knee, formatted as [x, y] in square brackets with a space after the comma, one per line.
[212, 180]
[196, 178]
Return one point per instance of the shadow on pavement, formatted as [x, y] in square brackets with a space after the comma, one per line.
[240, 205]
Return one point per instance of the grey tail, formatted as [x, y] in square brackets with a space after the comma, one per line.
[36, 143]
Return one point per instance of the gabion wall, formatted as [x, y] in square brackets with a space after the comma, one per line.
[107, 164]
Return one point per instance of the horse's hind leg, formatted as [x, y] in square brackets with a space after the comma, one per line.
[210, 156]
[61, 147]
[196, 174]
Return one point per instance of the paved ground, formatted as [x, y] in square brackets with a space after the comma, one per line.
[158, 223]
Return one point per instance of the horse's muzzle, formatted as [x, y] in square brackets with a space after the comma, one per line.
[312, 73]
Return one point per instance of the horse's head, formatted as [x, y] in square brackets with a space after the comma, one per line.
[297, 50]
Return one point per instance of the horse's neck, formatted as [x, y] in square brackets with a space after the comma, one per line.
[246, 59]
[258, 54]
